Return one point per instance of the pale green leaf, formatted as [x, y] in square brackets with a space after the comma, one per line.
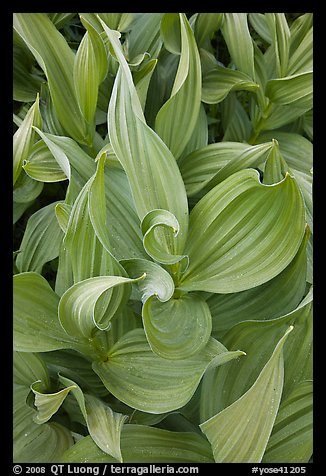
[291, 440]
[295, 90]
[29, 367]
[26, 189]
[35, 312]
[55, 57]
[62, 213]
[153, 174]
[47, 404]
[104, 425]
[259, 23]
[179, 328]
[240, 432]
[77, 310]
[220, 81]
[143, 380]
[236, 34]
[206, 24]
[42, 166]
[144, 36]
[280, 35]
[145, 444]
[267, 301]
[24, 138]
[301, 59]
[184, 103]
[243, 233]
[41, 240]
[34, 443]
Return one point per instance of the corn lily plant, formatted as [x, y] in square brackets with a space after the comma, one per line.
[162, 171]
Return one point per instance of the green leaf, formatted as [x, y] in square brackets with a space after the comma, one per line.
[275, 166]
[42, 166]
[200, 166]
[184, 103]
[179, 328]
[291, 440]
[24, 138]
[34, 443]
[240, 432]
[41, 240]
[26, 85]
[243, 233]
[26, 189]
[35, 312]
[301, 59]
[104, 425]
[145, 444]
[267, 301]
[55, 57]
[47, 403]
[296, 90]
[29, 367]
[206, 24]
[280, 34]
[78, 313]
[259, 23]
[220, 81]
[90, 69]
[239, 42]
[257, 339]
[235, 120]
[159, 185]
[143, 380]
[144, 36]
[157, 281]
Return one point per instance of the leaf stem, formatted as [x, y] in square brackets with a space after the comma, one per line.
[260, 124]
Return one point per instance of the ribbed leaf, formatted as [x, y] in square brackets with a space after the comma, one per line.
[157, 281]
[199, 137]
[301, 58]
[104, 425]
[77, 311]
[147, 161]
[218, 82]
[144, 36]
[56, 59]
[206, 25]
[240, 432]
[267, 301]
[259, 23]
[199, 167]
[183, 105]
[178, 328]
[24, 138]
[243, 233]
[257, 339]
[90, 69]
[143, 380]
[47, 404]
[291, 440]
[42, 166]
[29, 367]
[239, 42]
[35, 312]
[26, 85]
[26, 189]
[280, 35]
[296, 90]
[34, 443]
[235, 121]
[41, 240]
[145, 444]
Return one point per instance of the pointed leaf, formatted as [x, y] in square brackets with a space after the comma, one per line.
[47, 403]
[263, 226]
[240, 432]
[42, 166]
[280, 35]
[147, 382]
[296, 90]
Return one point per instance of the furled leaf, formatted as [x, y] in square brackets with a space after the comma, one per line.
[36, 443]
[47, 404]
[143, 380]
[24, 138]
[178, 328]
[55, 57]
[218, 82]
[104, 425]
[78, 313]
[280, 35]
[243, 233]
[136, 145]
[291, 440]
[41, 240]
[42, 166]
[206, 24]
[184, 102]
[240, 432]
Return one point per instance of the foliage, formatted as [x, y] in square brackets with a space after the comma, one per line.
[162, 171]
